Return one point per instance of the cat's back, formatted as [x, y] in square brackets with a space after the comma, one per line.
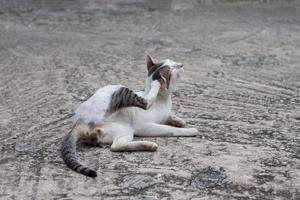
[95, 108]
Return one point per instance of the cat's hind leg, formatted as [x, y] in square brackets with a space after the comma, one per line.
[125, 143]
[152, 94]
[125, 97]
[122, 139]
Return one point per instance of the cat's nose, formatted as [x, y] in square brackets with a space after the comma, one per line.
[180, 65]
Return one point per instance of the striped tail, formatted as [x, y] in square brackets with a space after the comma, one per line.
[68, 153]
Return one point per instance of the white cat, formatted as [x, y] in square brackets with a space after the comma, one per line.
[114, 114]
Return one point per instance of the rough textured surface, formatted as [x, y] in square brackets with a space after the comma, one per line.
[241, 90]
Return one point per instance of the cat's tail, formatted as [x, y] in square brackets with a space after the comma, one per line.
[68, 153]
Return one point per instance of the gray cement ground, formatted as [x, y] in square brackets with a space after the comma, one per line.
[241, 90]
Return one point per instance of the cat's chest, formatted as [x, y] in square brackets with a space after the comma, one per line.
[158, 113]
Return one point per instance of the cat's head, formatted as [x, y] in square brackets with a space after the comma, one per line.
[167, 72]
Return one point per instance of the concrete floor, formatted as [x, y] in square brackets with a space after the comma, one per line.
[241, 90]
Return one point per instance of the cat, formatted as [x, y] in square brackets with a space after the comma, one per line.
[114, 114]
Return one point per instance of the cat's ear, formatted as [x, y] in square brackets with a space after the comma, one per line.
[150, 63]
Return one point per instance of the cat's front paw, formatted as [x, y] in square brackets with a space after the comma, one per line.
[176, 121]
[192, 132]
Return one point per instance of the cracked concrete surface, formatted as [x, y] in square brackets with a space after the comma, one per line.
[241, 90]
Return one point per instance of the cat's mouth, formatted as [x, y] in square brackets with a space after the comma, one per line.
[177, 73]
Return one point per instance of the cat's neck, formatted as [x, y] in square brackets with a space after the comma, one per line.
[166, 97]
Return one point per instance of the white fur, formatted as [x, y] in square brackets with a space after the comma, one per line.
[170, 63]
[120, 127]
[95, 108]
[152, 94]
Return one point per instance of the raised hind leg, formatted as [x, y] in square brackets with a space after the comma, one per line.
[125, 97]
[152, 94]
